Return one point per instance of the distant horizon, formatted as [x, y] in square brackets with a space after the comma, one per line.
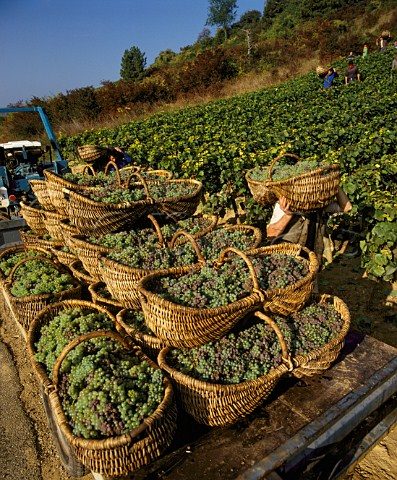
[62, 46]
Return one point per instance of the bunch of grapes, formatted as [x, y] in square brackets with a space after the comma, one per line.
[284, 171]
[7, 263]
[107, 391]
[209, 287]
[252, 351]
[37, 277]
[63, 328]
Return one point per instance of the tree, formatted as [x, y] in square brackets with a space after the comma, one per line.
[222, 13]
[133, 65]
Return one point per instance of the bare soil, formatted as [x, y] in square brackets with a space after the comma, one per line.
[374, 312]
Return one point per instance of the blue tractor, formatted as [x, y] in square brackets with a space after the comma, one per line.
[23, 160]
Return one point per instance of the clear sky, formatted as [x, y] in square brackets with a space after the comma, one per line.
[51, 46]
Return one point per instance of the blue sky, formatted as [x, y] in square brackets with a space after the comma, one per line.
[51, 46]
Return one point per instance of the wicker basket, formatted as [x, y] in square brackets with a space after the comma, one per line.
[319, 360]
[32, 240]
[120, 455]
[150, 344]
[306, 192]
[321, 71]
[39, 188]
[186, 327]
[98, 218]
[122, 280]
[110, 303]
[92, 153]
[34, 218]
[217, 404]
[44, 317]
[26, 308]
[284, 301]
[182, 207]
[88, 253]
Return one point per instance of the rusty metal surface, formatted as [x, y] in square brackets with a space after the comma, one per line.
[199, 452]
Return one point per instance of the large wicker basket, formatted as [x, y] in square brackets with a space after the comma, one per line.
[305, 192]
[122, 280]
[92, 153]
[319, 360]
[284, 301]
[97, 218]
[35, 217]
[186, 327]
[120, 455]
[218, 404]
[179, 208]
[26, 308]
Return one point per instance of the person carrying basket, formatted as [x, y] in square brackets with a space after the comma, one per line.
[307, 228]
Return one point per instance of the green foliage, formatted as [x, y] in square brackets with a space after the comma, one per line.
[221, 13]
[133, 65]
[219, 141]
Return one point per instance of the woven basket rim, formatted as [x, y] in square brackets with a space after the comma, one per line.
[302, 176]
[77, 196]
[253, 297]
[274, 374]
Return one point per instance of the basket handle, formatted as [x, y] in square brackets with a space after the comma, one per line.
[219, 263]
[142, 180]
[192, 241]
[158, 229]
[89, 167]
[285, 354]
[112, 163]
[24, 260]
[80, 339]
[279, 157]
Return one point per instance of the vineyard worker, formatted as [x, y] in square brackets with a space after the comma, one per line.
[365, 51]
[394, 63]
[120, 158]
[306, 229]
[352, 74]
[329, 78]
